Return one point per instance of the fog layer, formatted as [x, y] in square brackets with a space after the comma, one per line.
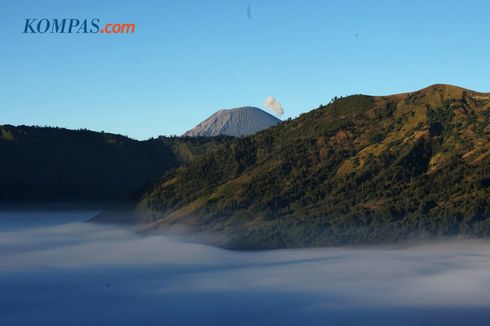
[73, 273]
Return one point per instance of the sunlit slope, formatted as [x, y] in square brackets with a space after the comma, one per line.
[360, 169]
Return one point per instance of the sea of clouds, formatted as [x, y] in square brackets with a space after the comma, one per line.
[55, 269]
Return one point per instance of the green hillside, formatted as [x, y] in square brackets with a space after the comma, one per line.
[362, 169]
[58, 165]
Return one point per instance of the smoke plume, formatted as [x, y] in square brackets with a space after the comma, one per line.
[271, 103]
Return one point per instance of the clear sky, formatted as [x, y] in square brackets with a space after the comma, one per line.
[188, 59]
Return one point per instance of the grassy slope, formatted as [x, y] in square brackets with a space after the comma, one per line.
[361, 169]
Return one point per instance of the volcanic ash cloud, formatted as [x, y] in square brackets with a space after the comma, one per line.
[271, 103]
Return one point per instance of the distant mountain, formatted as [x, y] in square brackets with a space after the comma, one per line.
[236, 122]
[58, 165]
[362, 169]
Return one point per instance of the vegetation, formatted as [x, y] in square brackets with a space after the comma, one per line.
[360, 169]
[40, 164]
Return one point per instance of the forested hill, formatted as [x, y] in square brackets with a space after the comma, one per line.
[58, 165]
[360, 169]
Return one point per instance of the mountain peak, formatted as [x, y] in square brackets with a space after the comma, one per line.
[444, 87]
[445, 90]
[237, 122]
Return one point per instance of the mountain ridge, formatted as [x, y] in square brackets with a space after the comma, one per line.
[360, 169]
[49, 164]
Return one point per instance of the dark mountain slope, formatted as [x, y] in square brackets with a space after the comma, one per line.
[360, 169]
[53, 164]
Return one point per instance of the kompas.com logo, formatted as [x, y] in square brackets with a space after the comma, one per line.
[75, 26]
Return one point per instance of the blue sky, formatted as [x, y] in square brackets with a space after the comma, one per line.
[188, 59]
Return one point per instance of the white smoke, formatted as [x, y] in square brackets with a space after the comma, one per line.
[271, 103]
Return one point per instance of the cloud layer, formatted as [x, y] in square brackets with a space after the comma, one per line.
[59, 273]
